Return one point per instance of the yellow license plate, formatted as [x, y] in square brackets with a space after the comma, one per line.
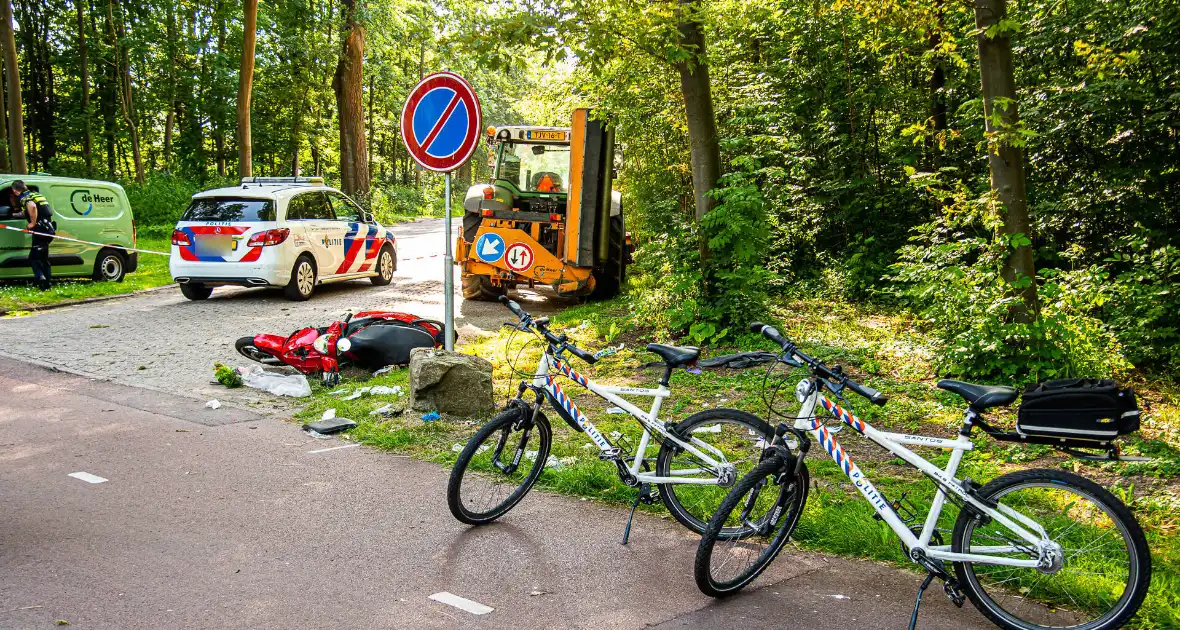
[545, 135]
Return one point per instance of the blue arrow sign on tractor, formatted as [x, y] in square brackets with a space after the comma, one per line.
[489, 247]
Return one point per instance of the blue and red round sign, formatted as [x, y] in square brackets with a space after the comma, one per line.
[442, 122]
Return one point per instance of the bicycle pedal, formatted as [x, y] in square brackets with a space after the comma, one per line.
[954, 594]
[610, 454]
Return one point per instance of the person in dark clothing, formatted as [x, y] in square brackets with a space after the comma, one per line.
[34, 207]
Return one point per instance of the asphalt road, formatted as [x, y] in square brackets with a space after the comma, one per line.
[230, 519]
[165, 342]
[235, 519]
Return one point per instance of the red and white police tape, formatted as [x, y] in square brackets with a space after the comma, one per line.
[75, 240]
[133, 249]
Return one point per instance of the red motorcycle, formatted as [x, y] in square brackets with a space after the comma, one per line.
[370, 339]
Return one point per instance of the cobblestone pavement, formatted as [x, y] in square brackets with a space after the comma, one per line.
[163, 341]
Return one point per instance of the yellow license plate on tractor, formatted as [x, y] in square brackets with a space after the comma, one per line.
[545, 135]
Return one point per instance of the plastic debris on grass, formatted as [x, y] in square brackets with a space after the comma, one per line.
[377, 390]
[294, 385]
[431, 417]
[386, 411]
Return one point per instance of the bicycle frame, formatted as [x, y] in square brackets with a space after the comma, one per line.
[945, 480]
[545, 379]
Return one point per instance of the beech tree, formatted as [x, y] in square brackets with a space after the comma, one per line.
[245, 85]
[16, 125]
[348, 84]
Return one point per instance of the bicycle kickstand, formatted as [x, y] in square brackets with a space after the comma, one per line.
[644, 497]
[918, 602]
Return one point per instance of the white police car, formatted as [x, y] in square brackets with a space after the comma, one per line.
[290, 232]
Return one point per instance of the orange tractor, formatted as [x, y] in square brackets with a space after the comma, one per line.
[548, 217]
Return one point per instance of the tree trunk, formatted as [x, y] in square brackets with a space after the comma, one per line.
[705, 152]
[1006, 161]
[218, 123]
[296, 139]
[372, 133]
[83, 61]
[3, 122]
[170, 118]
[123, 63]
[245, 82]
[16, 120]
[348, 84]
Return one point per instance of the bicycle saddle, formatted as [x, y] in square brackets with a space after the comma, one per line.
[980, 396]
[675, 356]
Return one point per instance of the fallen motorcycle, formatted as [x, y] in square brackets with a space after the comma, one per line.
[369, 339]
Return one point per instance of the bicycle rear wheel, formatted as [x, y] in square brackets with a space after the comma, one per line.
[734, 437]
[494, 471]
[1104, 568]
[764, 507]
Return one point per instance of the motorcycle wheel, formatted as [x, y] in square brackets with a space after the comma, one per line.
[246, 348]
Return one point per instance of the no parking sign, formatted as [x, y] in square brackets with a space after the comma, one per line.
[442, 122]
[441, 126]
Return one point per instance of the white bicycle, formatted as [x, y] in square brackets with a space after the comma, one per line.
[1032, 549]
[698, 460]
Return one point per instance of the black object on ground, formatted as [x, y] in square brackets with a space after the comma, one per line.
[333, 425]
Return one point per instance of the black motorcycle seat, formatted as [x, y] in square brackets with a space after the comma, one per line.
[980, 396]
[387, 343]
[675, 356]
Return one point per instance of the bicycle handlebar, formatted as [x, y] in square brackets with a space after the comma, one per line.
[817, 366]
[541, 326]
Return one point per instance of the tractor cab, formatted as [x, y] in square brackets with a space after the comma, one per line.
[548, 216]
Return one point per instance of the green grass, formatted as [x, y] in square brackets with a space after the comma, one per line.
[21, 295]
[884, 349]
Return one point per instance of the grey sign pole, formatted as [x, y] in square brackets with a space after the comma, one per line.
[449, 277]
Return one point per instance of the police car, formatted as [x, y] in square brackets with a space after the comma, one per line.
[289, 232]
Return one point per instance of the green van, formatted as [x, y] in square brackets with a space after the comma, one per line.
[84, 209]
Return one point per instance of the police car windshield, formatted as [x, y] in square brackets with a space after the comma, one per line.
[225, 209]
[535, 167]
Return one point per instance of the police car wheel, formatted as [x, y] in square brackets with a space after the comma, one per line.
[303, 277]
[109, 266]
[385, 267]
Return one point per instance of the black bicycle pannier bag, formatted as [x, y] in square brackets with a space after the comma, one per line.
[1078, 408]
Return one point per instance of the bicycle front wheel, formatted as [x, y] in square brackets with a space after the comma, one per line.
[1097, 582]
[499, 466]
[761, 512]
[731, 438]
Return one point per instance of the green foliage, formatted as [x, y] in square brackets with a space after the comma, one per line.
[950, 274]
[162, 199]
[227, 375]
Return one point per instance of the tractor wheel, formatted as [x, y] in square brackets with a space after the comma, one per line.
[481, 288]
[610, 276]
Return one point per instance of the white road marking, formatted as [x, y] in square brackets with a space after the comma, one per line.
[334, 448]
[87, 477]
[462, 603]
